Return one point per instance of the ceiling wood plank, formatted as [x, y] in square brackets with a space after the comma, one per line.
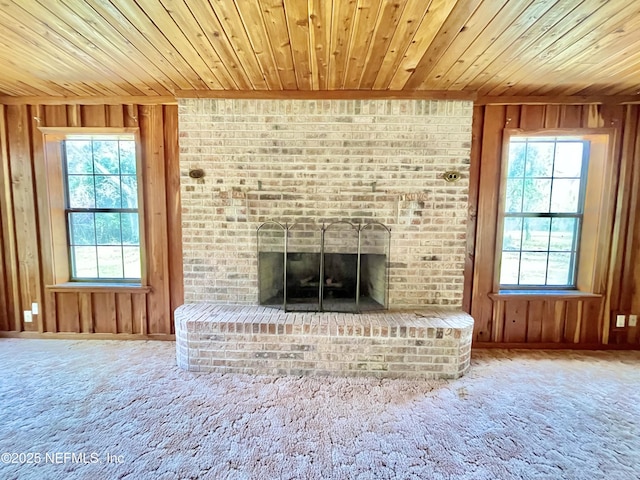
[387, 22]
[112, 48]
[412, 15]
[623, 57]
[162, 55]
[274, 20]
[79, 32]
[482, 32]
[511, 44]
[364, 24]
[297, 16]
[231, 22]
[573, 57]
[539, 70]
[341, 40]
[31, 37]
[186, 57]
[524, 50]
[204, 61]
[244, 61]
[431, 24]
[320, 15]
[453, 26]
[254, 25]
[226, 70]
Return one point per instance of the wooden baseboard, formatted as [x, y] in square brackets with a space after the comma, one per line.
[553, 346]
[87, 336]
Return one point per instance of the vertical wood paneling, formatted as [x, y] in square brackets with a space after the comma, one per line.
[571, 116]
[515, 322]
[4, 301]
[104, 312]
[482, 306]
[571, 321]
[11, 283]
[552, 116]
[115, 116]
[86, 314]
[535, 320]
[617, 273]
[26, 266]
[548, 333]
[474, 180]
[24, 208]
[532, 117]
[93, 115]
[139, 306]
[154, 181]
[591, 327]
[174, 207]
[124, 313]
[45, 259]
[68, 313]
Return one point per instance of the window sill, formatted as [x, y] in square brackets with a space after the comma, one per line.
[93, 287]
[542, 295]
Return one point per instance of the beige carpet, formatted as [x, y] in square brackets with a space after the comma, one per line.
[515, 415]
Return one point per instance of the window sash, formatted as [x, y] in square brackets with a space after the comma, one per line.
[68, 211]
[578, 215]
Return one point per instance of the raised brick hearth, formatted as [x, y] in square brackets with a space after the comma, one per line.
[432, 343]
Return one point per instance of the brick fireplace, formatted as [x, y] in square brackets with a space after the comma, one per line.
[325, 161]
[346, 163]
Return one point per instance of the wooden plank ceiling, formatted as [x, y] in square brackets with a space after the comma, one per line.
[163, 47]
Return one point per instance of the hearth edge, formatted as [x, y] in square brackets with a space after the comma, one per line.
[416, 343]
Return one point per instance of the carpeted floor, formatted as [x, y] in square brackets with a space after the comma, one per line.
[515, 415]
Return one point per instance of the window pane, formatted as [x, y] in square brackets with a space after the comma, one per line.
[535, 233]
[101, 175]
[566, 193]
[537, 194]
[107, 191]
[516, 159]
[82, 229]
[533, 268]
[81, 191]
[559, 269]
[108, 229]
[568, 159]
[509, 268]
[78, 156]
[106, 157]
[514, 195]
[539, 159]
[512, 233]
[84, 263]
[131, 262]
[110, 262]
[129, 191]
[563, 232]
[127, 157]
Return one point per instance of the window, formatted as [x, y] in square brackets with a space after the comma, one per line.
[101, 207]
[543, 205]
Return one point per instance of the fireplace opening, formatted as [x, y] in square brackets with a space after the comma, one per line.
[341, 267]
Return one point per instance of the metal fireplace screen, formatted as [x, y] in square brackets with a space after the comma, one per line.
[340, 267]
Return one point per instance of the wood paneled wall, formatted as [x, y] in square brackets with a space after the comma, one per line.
[25, 236]
[547, 320]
